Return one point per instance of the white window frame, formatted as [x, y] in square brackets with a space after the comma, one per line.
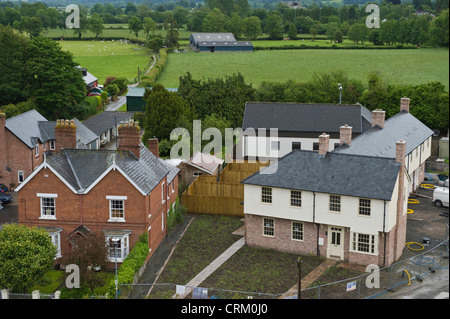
[275, 145]
[113, 199]
[365, 210]
[52, 145]
[122, 251]
[42, 198]
[296, 199]
[20, 173]
[335, 202]
[297, 230]
[364, 243]
[266, 196]
[268, 229]
[36, 150]
[56, 240]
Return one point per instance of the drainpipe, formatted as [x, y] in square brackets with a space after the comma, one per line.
[314, 222]
[384, 234]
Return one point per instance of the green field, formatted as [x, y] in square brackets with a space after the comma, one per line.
[109, 58]
[395, 66]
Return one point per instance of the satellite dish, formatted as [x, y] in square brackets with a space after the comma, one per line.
[436, 132]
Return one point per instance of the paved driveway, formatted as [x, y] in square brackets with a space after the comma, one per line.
[8, 214]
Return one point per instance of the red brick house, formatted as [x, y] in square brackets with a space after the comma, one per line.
[123, 193]
[26, 137]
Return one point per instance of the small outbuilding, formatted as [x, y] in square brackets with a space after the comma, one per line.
[135, 98]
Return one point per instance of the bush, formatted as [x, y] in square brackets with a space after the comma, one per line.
[150, 79]
[132, 263]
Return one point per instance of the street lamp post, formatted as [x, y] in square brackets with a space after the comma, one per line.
[340, 93]
[299, 265]
[115, 243]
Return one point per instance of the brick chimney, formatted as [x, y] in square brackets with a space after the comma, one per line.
[65, 135]
[153, 146]
[345, 135]
[378, 117]
[404, 104]
[324, 142]
[130, 138]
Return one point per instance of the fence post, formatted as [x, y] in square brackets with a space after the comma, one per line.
[35, 294]
[5, 294]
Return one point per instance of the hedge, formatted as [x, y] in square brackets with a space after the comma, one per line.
[130, 266]
[149, 80]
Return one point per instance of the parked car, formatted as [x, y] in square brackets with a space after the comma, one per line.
[5, 198]
[440, 197]
[3, 188]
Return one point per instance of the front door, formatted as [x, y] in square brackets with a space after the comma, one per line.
[335, 242]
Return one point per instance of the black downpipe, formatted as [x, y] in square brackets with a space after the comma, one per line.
[384, 234]
[314, 222]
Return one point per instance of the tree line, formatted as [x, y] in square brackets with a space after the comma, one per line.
[423, 22]
[220, 102]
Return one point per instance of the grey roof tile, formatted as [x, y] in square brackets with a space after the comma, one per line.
[295, 117]
[381, 141]
[80, 168]
[26, 127]
[334, 173]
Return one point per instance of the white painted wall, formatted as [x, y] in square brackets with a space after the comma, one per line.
[347, 217]
[261, 146]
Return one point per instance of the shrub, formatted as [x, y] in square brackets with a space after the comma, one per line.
[132, 263]
[150, 79]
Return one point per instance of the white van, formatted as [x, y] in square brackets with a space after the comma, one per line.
[440, 196]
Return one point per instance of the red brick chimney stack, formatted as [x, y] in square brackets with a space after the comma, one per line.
[153, 146]
[324, 142]
[65, 135]
[345, 135]
[130, 138]
[378, 117]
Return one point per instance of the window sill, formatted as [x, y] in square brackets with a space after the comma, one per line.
[116, 220]
[48, 217]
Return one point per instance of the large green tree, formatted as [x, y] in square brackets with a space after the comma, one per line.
[12, 75]
[164, 111]
[52, 79]
[26, 254]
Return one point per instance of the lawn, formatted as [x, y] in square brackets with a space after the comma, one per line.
[249, 269]
[109, 58]
[395, 66]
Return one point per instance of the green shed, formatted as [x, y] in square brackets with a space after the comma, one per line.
[135, 101]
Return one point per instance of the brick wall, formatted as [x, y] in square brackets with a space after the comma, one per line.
[282, 238]
[92, 209]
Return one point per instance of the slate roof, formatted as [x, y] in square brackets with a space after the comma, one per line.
[213, 37]
[295, 117]
[334, 173]
[26, 127]
[105, 121]
[381, 141]
[230, 43]
[206, 162]
[80, 168]
[84, 135]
